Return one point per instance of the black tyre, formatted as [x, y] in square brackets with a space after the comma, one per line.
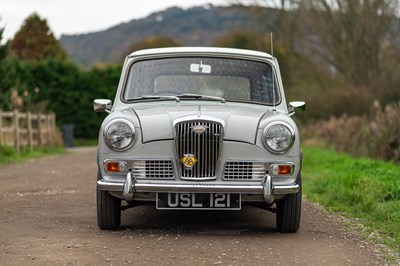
[288, 212]
[108, 210]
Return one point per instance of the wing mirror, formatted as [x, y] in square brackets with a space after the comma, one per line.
[298, 106]
[102, 105]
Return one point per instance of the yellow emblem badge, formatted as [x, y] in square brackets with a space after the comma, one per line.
[189, 160]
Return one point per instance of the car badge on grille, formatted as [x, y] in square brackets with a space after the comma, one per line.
[189, 160]
[199, 129]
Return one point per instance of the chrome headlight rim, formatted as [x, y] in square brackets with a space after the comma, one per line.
[268, 127]
[113, 122]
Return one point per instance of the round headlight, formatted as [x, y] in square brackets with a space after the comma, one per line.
[119, 134]
[278, 137]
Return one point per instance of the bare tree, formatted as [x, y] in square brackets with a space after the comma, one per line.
[287, 24]
[282, 20]
[352, 36]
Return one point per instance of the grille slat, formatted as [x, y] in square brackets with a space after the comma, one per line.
[244, 170]
[205, 147]
[156, 169]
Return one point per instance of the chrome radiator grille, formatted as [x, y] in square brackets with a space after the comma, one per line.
[156, 169]
[244, 170]
[203, 148]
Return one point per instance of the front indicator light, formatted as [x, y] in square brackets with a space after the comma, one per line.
[116, 167]
[282, 169]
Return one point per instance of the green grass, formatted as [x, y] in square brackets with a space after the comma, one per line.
[9, 155]
[360, 188]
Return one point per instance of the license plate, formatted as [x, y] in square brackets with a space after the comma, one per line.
[200, 201]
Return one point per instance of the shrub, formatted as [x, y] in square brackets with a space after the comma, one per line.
[384, 132]
[376, 135]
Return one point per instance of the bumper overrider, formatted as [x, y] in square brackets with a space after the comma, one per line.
[265, 188]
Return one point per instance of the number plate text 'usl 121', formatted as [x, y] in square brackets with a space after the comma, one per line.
[200, 201]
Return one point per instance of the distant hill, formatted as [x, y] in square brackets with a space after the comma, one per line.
[197, 26]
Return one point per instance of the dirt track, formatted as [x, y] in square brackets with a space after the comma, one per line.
[48, 217]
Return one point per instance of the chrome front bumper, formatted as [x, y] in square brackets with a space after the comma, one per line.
[265, 188]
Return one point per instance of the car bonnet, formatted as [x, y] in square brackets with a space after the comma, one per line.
[240, 120]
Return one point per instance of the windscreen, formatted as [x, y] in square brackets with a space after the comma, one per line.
[232, 79]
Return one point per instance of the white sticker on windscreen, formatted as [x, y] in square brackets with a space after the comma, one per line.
[200, 68]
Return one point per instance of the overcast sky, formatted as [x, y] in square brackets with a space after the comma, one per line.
[82, 16]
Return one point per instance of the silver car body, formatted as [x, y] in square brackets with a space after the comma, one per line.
[244, 165]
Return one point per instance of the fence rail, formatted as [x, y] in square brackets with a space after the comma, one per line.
[27, 129]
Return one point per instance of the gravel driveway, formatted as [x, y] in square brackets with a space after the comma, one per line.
[48, 217]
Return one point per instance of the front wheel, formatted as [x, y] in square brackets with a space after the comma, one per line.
[108, 211]
[288, 212]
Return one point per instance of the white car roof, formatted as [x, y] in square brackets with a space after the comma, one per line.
[202, 50]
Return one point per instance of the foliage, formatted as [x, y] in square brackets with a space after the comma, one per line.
[151, 42]
[35, 41]
[364, 189]
[85, 142]
[6, 75]
[376, 135]
[245, 39]
[45, 81]
[69, 91]
[154, 42]
[9, 155]
[3, 49]
[330, 97]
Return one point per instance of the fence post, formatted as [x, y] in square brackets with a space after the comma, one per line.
[48, 127]
[16, 130]
[53, 128]
[29, 124]
[13, 128]
[40, 129]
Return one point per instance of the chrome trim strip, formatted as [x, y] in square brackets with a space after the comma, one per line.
[195, 118]
[204, 188]
[198, 188]
[286, 189]
[110, 186]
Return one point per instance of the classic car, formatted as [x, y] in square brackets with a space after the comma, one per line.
[199, 129]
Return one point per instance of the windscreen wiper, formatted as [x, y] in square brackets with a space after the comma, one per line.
[156, 97]
[199, 96]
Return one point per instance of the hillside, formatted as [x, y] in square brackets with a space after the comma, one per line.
[197, 26]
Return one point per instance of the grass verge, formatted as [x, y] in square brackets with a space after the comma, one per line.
[360, 188]
[9, 155]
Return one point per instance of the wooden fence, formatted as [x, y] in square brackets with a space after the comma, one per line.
[27, 129]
